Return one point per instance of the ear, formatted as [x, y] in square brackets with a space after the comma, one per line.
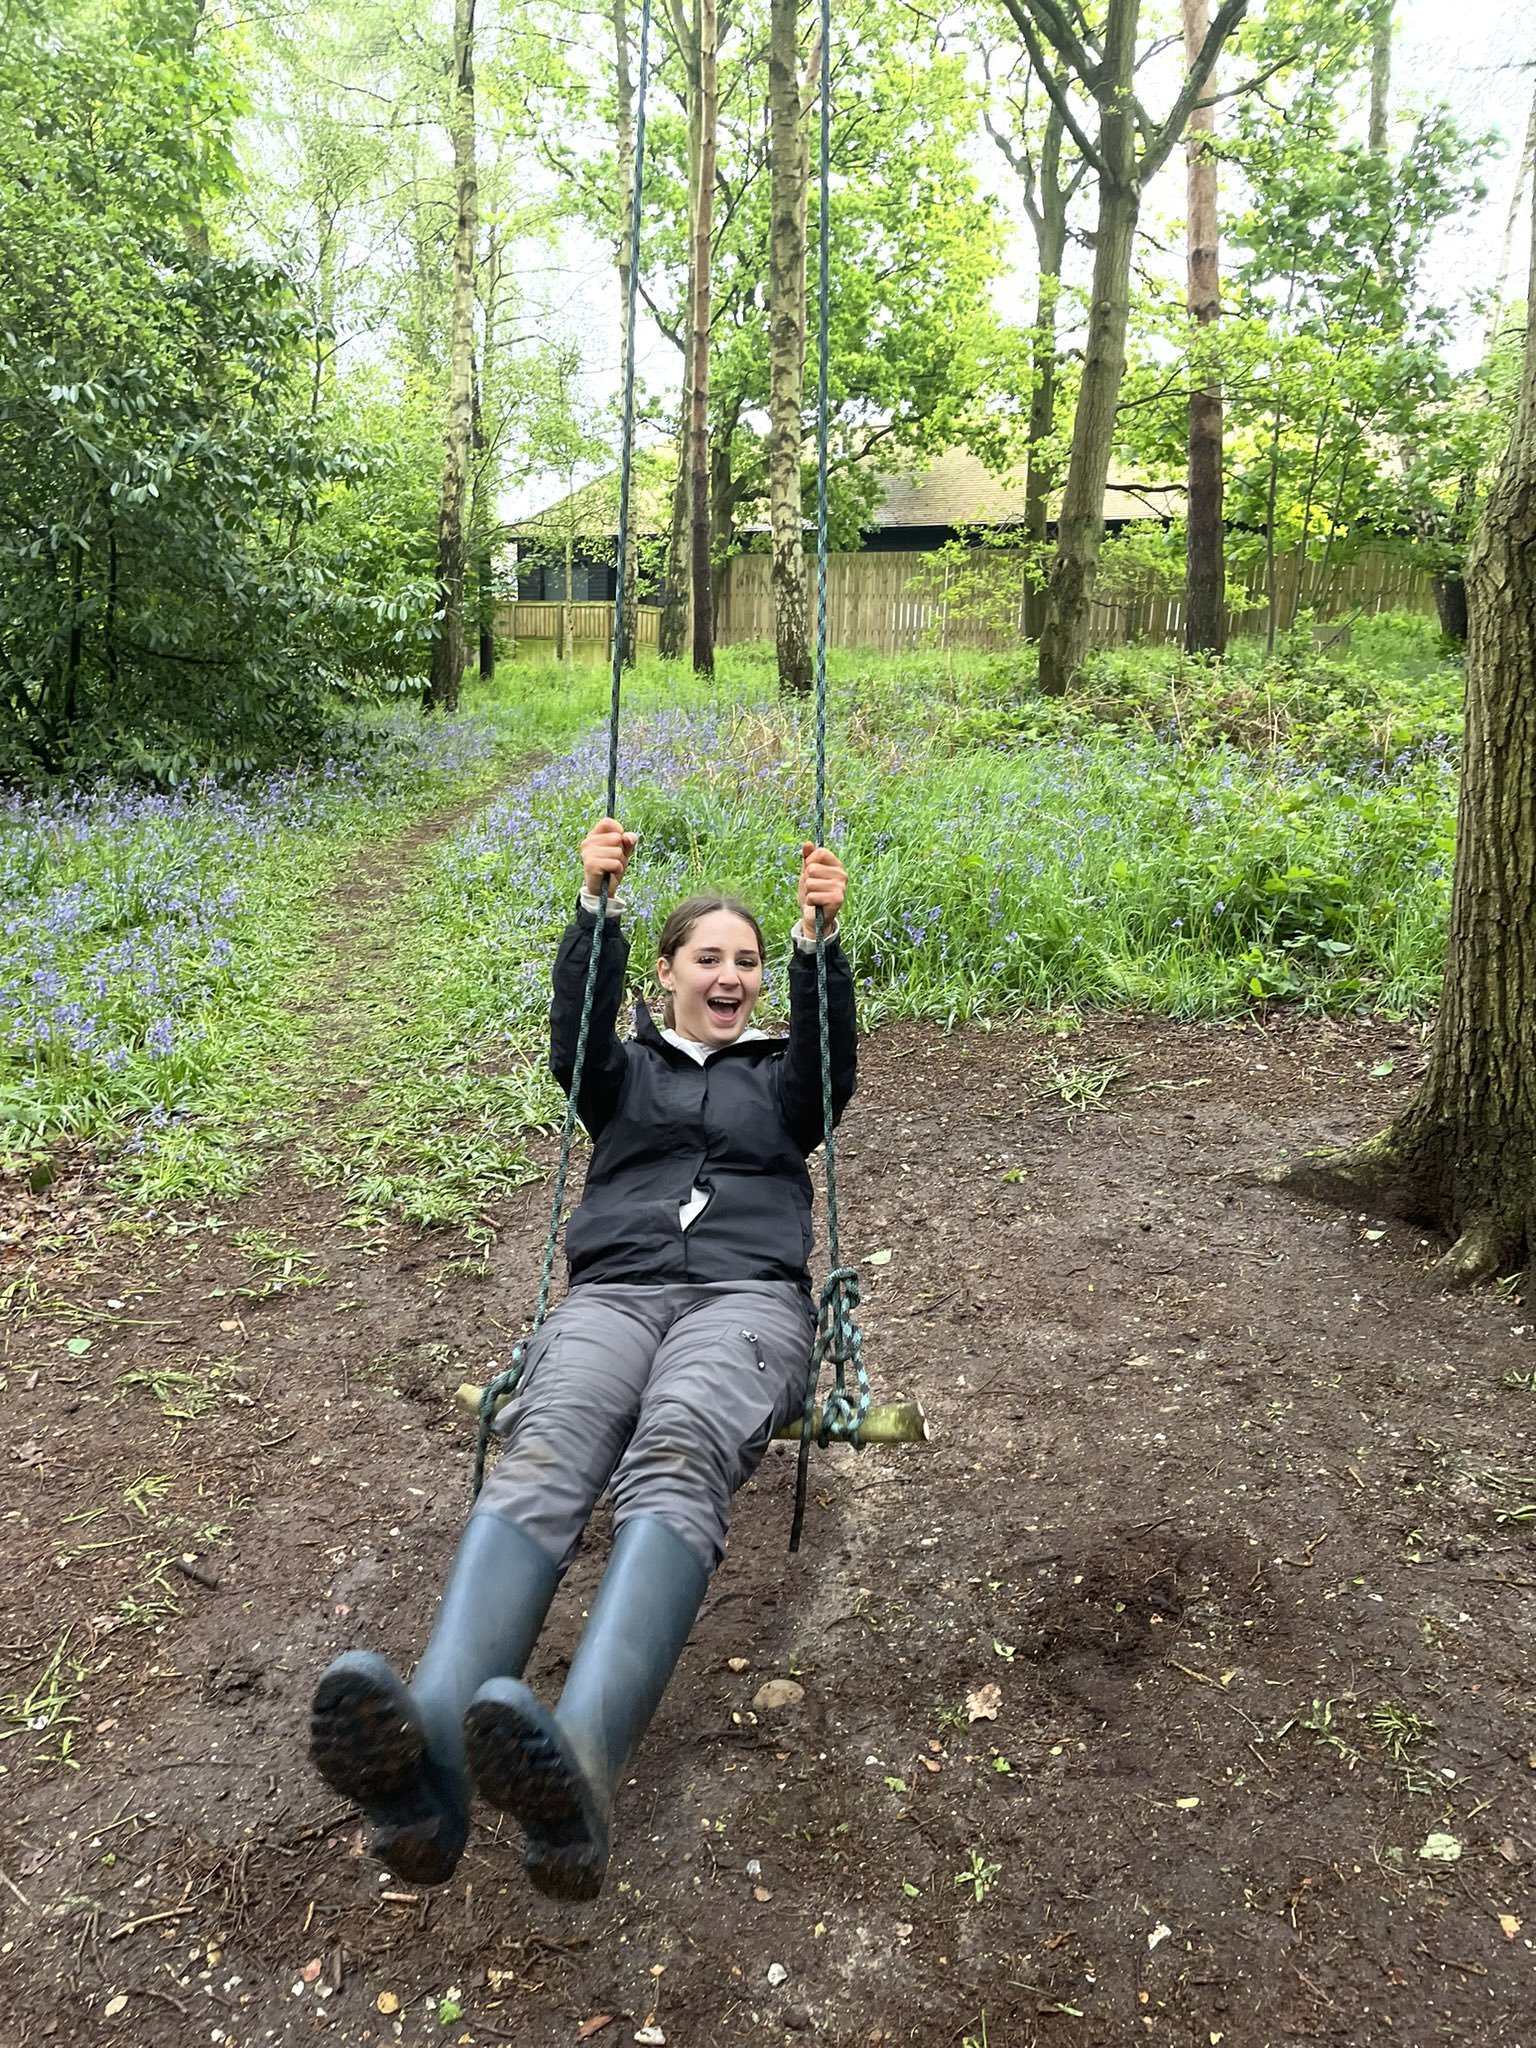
[663, 972]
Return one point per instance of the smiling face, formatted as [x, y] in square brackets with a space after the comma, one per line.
[714, 978]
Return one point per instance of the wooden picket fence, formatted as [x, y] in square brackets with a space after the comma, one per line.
[900, 603]
[589, 625]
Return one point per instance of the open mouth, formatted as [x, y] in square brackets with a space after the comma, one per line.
[725, 1008]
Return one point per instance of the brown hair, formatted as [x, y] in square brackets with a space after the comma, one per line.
[675, 932]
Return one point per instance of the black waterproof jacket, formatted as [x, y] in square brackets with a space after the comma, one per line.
[738, 1128]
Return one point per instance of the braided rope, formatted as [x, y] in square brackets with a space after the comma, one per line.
[507, 1383]
[838, 1336]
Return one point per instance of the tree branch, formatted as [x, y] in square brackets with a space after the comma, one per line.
[1056, 92]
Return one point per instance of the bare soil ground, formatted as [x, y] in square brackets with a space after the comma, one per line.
[1131, 1709]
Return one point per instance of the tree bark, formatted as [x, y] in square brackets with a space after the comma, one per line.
[1381, 76]
[789, 163]
[703, 224]
[1048, 217]
[442, 692]
[624, 120]
[1080, 532]
[1462, 1157]
[675, 607]
[1205, 625]
[677, 596]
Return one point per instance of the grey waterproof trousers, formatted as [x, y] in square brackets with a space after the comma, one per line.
[666, 1395]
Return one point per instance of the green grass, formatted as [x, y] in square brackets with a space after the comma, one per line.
[1180, 837]
[1114, 866]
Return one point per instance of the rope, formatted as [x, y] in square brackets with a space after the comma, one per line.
[838, 1337]
[507, 1383]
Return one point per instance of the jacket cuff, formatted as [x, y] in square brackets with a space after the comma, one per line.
[591, 903]
[805, 945]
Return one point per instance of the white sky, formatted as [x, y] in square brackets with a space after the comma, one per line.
[1478, 54]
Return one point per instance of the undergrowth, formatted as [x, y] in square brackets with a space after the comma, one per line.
[1181, 837]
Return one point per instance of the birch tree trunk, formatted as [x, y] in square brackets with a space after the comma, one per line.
[1080, 531]
[789, 161]
[442, 692]
[1381, 76]
[624, 119]
[1462, 1157]
[1205, 626]
[698, 437]
[677, 597]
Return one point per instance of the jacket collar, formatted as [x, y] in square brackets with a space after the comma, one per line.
[648, 1033]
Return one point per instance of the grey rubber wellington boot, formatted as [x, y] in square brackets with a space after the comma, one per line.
[557, 1774]
[397, 1749]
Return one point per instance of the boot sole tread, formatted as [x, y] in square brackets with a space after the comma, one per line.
[365, 1748]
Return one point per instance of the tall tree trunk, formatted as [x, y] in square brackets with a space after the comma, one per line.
[1049, 220]
[1462, 1156]
[1205, 624]
[624, 118]
[442, 692]
[1080, 533]
[568, 604]
[677, 597]
[675, 606]
[789, 162]
[1381, 76]
[703, 226]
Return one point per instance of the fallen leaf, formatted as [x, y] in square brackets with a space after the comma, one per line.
[310, 1971]
[650, 2037]
[929, 1763]
[1510, 1925]
[77, 1347]
[115, 2005]
[983, 1703]
[738, 1663]
[1440, 1848]
[232, 1324]
[1184, 1805]
[878, 1259]
[1159, 1933]
[1508, 1851]
[386, 2002]
[595, 2025]
[761, 1893]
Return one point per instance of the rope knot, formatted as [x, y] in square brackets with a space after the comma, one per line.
[503, 1385]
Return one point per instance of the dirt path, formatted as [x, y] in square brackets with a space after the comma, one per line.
[1227, 1507]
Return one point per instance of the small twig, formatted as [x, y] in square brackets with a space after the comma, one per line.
[11, 1886]
[1450, 1963]
[1189, 1671]
[148, 1919]
[150, 1991]
[1305, 1564]
[324, 1827]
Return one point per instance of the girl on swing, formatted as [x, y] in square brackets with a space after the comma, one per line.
[683, 1343]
